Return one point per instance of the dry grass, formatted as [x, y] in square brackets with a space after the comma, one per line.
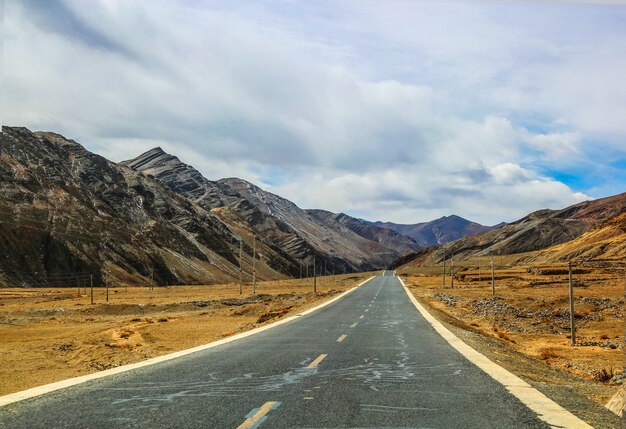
[531, 311]
[48, 335]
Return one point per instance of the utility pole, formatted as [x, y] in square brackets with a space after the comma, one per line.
[479, 274]
[572, 326]
[254, 267]
[240, 268]
[444, 271]
[78, 285]
[300, 269]
[493, 280]
[314, 277]
[452, 272]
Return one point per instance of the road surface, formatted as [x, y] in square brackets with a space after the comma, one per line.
[367, 360]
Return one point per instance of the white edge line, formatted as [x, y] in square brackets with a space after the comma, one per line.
[546, 409]
[47, 388]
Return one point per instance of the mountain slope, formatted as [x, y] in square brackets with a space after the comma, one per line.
[67, 215]
[277, 221]
[438, 231]
[544, 229]
[385, 236]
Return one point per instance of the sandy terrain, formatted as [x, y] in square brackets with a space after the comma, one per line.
[48, 335]
[530, 314]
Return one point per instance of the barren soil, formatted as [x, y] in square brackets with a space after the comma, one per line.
[530, 314]
[48, 335]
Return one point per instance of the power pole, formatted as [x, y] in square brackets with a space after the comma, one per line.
[240, 267]
[444, 271]
[314, 277]
[300, 269]
[572, 326]
[254, 267]
[452, 272]
[493, 280]
[479, 274]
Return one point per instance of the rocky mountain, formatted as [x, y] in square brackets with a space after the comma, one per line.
[246, 208]
[68, 216]
[606, 241]
[588, 228]
[438, 231]
[384, 236]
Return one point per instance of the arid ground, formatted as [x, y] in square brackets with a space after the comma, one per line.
[530, 314]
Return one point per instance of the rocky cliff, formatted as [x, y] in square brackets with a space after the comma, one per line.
[69, 216]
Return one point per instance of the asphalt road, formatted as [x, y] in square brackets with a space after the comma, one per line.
[367, 360]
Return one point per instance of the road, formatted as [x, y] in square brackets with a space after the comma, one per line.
[367, 360]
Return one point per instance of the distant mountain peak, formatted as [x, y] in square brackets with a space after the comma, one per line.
[438, 231]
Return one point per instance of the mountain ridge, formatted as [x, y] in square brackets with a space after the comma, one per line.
[438, 231]
[585, 229]
[245, 205]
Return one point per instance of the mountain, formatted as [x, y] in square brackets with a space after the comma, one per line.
[246, 208]
[606, 241]
[587, 229]
[384, 236]
[68, 216]
[438, 231]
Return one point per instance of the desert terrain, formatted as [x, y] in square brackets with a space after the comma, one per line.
[48, 335]
[530, 312]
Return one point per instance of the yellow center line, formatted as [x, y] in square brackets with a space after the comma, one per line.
[340, 339]
[317, 361]
[252, 420]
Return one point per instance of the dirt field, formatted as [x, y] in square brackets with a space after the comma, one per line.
[530, 314]
[48, 335]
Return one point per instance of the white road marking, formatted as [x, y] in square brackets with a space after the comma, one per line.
[354, 324]
[546, 409]
[398, 408]
[361, 316]
[341, 338]
[47, 388]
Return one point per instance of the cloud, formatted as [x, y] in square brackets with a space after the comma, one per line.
[391, 111]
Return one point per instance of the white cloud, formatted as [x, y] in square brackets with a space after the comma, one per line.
[556, 146]
[396, 112]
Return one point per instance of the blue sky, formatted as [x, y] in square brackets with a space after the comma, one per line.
[396, 111]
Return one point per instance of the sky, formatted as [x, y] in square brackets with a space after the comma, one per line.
[385, 110]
